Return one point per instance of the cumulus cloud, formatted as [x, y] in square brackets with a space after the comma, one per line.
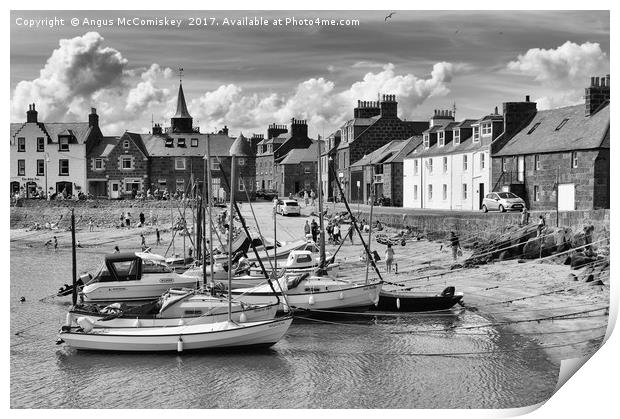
[318, 100]
[565, 69]
[79, 68]
[146, 93]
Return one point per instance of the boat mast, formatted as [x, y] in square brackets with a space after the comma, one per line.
[320, 193]
[372, 205]
[73, 258]
[233, 177]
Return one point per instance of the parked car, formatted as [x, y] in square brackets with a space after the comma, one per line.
[502, 201]
[267, 194]
[288, 207]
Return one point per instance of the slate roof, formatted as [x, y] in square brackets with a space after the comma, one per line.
[104, 147]
[78, 130]
[466, 145]
[381, 154]
[578, 132]
[299, 155]
[155, 145]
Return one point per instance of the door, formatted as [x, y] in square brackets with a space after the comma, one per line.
[520, 168]
[480, 194]
[115, 190]
[566, 197]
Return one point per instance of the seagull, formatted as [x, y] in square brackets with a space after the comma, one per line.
[389, 16]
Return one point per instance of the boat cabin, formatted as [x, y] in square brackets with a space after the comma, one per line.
[300, 259]
[129, 266]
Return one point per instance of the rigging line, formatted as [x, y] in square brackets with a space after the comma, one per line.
[531, 296]
[551, 332]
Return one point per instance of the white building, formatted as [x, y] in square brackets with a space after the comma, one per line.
[451, 169]
[50, 156]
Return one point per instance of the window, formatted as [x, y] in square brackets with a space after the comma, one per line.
[482, 156]
[21, 144]
[464, 162]
[180, 184]
[241, 185]
[40, 144]
[126, 163]
[169, 142]
[427, 142]
[63, 144]
[240, 161]
[179, 163]
[430, 192]
[536, 162]
[504, 164]
[457, 136]
[306, 169]
[486, 129]
[181, 142]
[194, 142]
[415, 192]
[533, 128]
[98, 164]
[564, 121]
[573, 159]
[21, 167]
[40, 167]
[476, 131]
[445, 165]
[126, 144]
[464, 191]
[215, 163]
[415, 167]
[536, 193]
[430, 165]
[442, 138]
[63, 167]
[445, 192]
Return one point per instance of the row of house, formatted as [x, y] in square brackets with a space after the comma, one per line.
[551, 158]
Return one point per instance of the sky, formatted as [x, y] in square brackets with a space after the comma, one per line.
[247, 77]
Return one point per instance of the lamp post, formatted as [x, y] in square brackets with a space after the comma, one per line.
[47, 159]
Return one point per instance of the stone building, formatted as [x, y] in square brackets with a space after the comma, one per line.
[50, 156]
[374, 124]
[451, 169]
[557, 158]
[382, 172]
[298, 171]
[280, 140]
[328, 158]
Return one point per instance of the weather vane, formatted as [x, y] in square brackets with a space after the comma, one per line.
[180, 74]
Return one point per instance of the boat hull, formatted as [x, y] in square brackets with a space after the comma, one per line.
[131, 291]
[412, 302]
[167, 339]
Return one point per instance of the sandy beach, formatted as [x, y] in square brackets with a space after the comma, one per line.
[539, 300]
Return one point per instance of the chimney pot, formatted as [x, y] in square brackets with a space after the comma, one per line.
[591, 81]
[527, 98]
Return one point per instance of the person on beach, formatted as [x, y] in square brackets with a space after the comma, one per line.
[306, 197]
[128, 219]
[306, 230]
[525, 217]
[351, 228]
[55, 244]
[116, 249]
[336, 234]
[90, 224]
[142, 219]
[157, 235]
[142, 241]
[314, 230]
[330, 232]
[454, 243]
[389, 258]
[312, 196]
[541, 225]
[191, 251]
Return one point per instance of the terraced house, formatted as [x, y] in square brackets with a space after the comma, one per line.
[51, 156]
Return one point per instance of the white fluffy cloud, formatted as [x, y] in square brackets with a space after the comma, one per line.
[146, 93]
[78, 69]
[318, 99]
[566, 70]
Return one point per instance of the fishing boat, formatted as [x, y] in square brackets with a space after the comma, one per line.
[131, 277]
[415, 301]
[302, 261]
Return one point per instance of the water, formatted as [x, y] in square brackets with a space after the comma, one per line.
[377, 362]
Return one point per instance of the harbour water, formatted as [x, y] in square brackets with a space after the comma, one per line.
[397, 361]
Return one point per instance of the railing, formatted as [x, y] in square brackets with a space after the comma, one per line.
[510, 178]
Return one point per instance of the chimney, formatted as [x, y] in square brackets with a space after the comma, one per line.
[299, 128]
[157, 129]
[31, 115]
[366, 109]
[274, 130]
[597, 94]
[93, 118]
[389, 106]
[441, 117]
[517, 115]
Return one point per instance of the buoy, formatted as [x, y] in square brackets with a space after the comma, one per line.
[85, 323]
[243, 317]
[180, 345]
[181, 322]
[341, 296]
[311, 300]
[137, 323]
[68, 319]
[22, 299]
[398, 304]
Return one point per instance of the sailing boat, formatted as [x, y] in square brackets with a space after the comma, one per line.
[190, 336]
[317, 291]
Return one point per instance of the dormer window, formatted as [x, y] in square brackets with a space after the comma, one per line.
[126, 144]
[487, 129]
[63, 144]
[194, 142]
[476, 133]
[426, 141]
[181, 142]
[169, 142]
[442, 138]
[457, 136]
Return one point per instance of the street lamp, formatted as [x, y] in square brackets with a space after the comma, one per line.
[47, 159]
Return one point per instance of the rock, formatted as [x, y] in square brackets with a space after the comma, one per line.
[456, 266]
[578, 261]
[531, 250]
[567, 260]
[590, 278]
[572, 277]
[521, 261]
[579, 239]
[598, 282]
[505, 255]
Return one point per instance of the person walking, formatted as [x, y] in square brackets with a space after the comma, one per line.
[351, 228]
[142, 219]
[306, 230]
[525, 217]
[314, 230]
[454, 243]
[306, 197]
[128, 219]
[55, 243]
[389, 258]
[116, 249]
[541, 225]
[312, 196]
[90, 224]
[336, 234]
[142, 241]
[158, 236]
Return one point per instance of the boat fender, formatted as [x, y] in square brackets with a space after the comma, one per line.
[398, 304]
[137, 323]
[180, 345]
[85, 323]
[311, 300]
[243, 317]
[68, 319]
[341, 296]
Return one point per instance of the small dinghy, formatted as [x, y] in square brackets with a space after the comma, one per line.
[412, 301]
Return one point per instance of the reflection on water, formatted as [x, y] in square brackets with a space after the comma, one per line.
[376, 362]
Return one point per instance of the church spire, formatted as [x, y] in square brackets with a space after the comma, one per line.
[182, 120]
[182, 111]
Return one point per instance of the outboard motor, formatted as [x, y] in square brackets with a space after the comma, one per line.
[448, 292]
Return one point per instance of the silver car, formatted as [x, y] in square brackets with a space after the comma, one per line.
[502, 201]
